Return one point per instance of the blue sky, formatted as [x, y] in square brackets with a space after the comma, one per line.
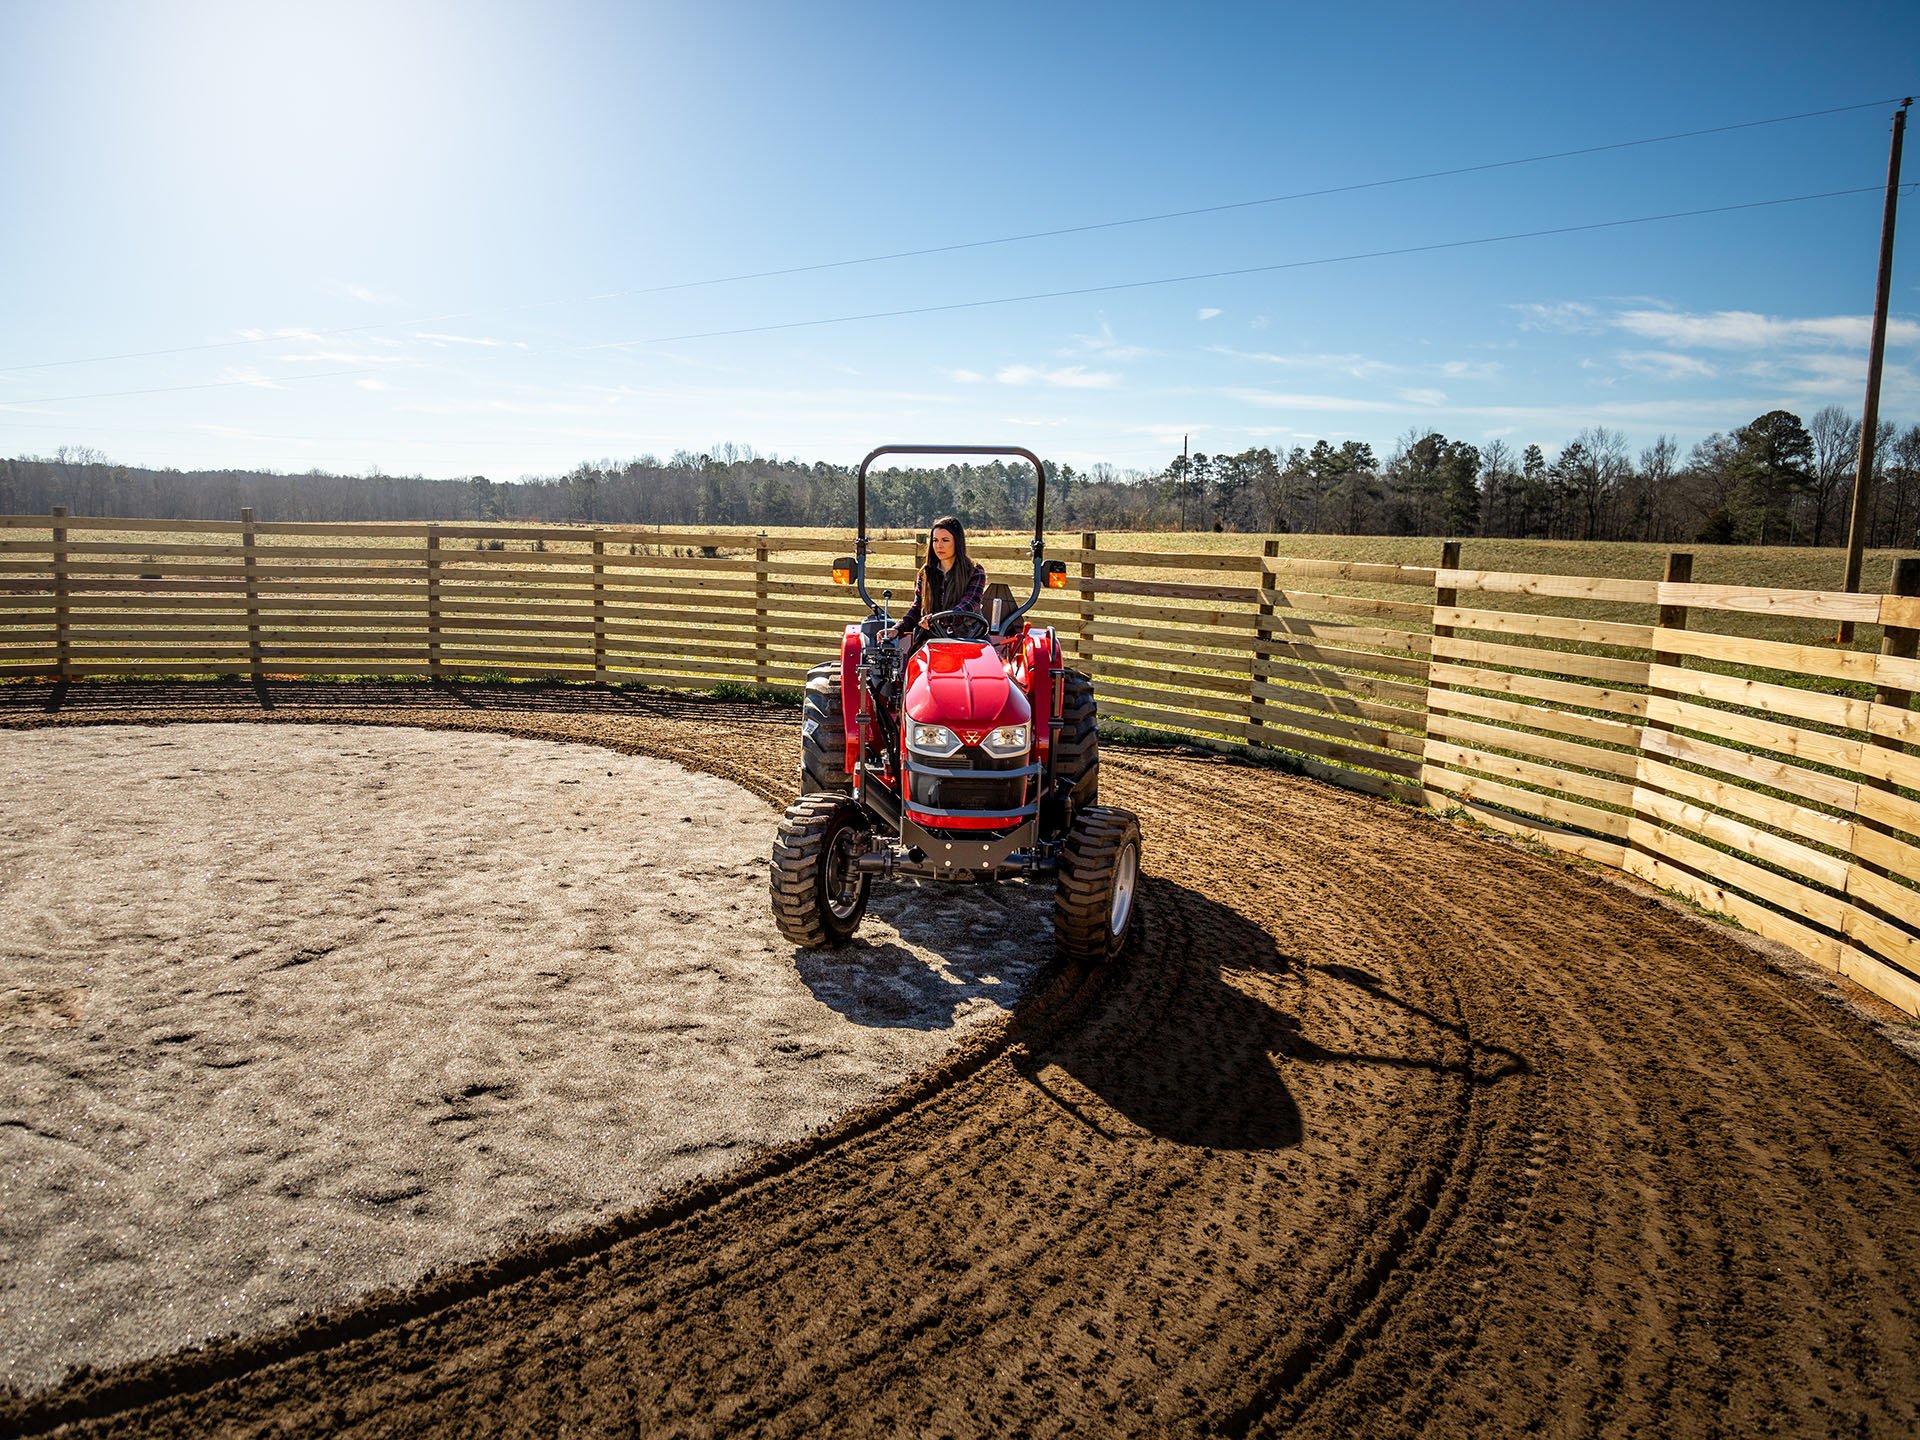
[434, 238]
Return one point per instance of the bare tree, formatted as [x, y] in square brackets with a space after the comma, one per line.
[1836, 451]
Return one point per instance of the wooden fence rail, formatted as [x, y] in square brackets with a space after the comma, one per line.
[1642, 724]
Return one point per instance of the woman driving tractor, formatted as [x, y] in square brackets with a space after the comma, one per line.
[949, 580]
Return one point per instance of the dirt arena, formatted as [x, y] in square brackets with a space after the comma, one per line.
[1383, 1128]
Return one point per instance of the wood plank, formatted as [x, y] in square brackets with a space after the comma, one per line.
[1312, 600]
[1834, 831]
[1813, 705]
[1896, 767]
[1184, 638]
[1535, 687]
[1812, 747]
[1760, 919]
[1894, 723]
[1858, 666]
[1569, 782]
[1214, 618]
[1341, 681]
[1522, 827]
[1760, 600]
[1609, 671]
[1889, 942]
[1726, 870]
[1831, 790]
[1890, 983]
[1152, 717]
[1537, 747]
[1804, 861]
[1557, 809]
[1899, 903]
[1889, 808]
[108, 524]
[1550, 627]
[1561, 587]
[1172, 560]
[1303, 652]
[1339, 704]
[1890, 852]
[1282, 719]
[1158, 675]
[1171, 590]
[1299, 742]
[1362, 571]
[1344, 632]
[1538, 717]
[1112, 683]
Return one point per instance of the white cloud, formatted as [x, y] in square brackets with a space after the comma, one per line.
[1359, 367]
[373, 382]
[1424, 397]
[1105, 344]
[1209, 312]
[1471, 369]
[483, 340]
[233, 375]
[1667, 364]
[1064, 377]
[1750, 330]
[1259, 322]
[1566, 317]
[1337, 404]
[965, 377]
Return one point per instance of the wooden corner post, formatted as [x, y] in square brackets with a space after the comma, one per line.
[599, 610]
[1671, 617]
[1083, 641]
[762, 665]
[1259, 674]
[62, 609]
[433, 602]
[250, 572]
[1446, 599]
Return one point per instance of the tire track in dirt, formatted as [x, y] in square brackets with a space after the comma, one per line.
[1383, 1129]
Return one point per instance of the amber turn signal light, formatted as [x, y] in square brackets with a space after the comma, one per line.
[843, 570]
[1056, 573]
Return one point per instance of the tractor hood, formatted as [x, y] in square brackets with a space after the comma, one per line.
[963, 685]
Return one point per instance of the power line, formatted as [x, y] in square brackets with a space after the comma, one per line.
[1230, 274]
[1081, 229]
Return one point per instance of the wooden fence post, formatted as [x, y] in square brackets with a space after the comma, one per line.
[1083, 642]
[433, 602]
[1671, 617]
[1262, 648]
[62, 611]
[1445, 597]
[599, 611]
[250, 566]
[762, 667]
[1901, 643]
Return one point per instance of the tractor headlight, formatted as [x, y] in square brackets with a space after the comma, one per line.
[1007, 740]
[931, 739]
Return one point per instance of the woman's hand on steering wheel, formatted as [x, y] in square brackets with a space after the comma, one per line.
[958, 625]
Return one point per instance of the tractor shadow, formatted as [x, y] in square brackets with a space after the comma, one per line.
[927, 955]
[1196, 1032]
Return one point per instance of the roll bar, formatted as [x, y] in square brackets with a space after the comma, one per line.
[1039, 511]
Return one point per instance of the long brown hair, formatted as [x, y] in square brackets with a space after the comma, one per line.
[930, 572]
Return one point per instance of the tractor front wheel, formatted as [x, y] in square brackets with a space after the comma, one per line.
[819, 891]
[1093, 903]
[823, 734]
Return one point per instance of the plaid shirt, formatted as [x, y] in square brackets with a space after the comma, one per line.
[970, 599]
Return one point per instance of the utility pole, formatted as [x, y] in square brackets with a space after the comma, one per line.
[1862, 512]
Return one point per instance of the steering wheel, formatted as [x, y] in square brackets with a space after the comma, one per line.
[959, 625]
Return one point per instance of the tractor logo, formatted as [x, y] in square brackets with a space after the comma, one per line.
[973, 737]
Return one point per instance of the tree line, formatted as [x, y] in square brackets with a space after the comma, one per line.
[1774, 481]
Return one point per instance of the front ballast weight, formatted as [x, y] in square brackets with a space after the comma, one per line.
[975, 759]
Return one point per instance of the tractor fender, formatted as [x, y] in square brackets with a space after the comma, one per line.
[852, 700]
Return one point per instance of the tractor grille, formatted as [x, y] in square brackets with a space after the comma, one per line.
[969, 792]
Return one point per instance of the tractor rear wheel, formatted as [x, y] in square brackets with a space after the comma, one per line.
[823, 734]
[1077, 757]
[1093, 902]
[819, 892]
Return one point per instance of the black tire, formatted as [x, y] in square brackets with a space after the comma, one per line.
[823, 735]
[1076, 763]
[1099, 886]
[818, 898]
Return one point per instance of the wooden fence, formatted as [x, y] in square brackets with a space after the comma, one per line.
[1641, 724]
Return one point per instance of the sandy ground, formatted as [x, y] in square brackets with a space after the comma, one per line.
[291, 1013]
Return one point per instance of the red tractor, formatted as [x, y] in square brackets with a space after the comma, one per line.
[974, 759]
